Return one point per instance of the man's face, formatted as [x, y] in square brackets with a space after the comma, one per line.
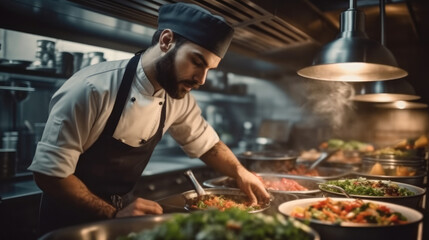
[184, 68]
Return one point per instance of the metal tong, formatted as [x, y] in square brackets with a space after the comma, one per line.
[198, 188]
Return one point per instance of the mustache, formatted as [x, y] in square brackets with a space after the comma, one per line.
[191, 83]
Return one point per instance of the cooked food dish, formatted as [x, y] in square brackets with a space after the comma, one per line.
[405, 148]
[222, 203]
[355, 211]
[301, 169]
[282, 184]
[352, 145]
[404, 171]
[364, 187]
[230, 224]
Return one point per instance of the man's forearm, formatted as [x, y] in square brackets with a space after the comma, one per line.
[221, 158]
[72, 191]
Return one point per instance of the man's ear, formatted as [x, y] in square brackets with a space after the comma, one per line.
[166, 40]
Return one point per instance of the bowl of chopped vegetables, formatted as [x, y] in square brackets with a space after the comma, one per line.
[355, 219]
[222, 199]
[380, 190]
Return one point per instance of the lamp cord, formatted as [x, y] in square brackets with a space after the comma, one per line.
[382, 14]
[352, 4]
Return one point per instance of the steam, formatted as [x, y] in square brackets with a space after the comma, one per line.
[329, 101]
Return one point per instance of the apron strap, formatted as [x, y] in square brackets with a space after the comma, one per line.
[123, 92]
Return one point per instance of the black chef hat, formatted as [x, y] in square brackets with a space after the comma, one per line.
[197, 25]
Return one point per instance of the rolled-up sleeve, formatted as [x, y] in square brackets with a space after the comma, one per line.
[67, 130]
[54, 161]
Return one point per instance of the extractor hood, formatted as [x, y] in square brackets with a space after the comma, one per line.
[273, 37]
[263, 28]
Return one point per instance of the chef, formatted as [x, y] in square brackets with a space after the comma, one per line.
[106, 120]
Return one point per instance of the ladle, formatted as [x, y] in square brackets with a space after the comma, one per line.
[323, 156]
[200, 190]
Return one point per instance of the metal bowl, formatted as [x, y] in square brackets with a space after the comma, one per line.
[393, 166]
[108, 229]
[327, 173]
[417, 180]
[310, 183]
[191, 197]
[336, 231]
[268, 161]
[120, 227]
[409, 201]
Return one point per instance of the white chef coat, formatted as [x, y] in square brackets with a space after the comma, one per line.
[80, 108]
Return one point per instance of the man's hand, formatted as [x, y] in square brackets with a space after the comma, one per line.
[221, 158]
[140, 207]
[252, 186]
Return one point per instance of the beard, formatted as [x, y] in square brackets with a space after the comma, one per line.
[167, 77]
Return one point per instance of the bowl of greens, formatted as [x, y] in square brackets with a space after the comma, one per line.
[229, 224]
[380, 190]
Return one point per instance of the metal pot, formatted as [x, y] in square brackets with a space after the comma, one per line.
[268, 161]
[7, 163]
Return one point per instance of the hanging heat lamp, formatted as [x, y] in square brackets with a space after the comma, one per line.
[353, 57]
[384, 91]
[402, 105]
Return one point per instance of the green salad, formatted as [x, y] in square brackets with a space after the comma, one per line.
[362, 186]
[232, 224]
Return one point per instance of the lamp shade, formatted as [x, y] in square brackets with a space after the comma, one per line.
[353, 57]
[402, 105]
[384, 91]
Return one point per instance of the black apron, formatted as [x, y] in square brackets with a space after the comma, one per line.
[109, 167]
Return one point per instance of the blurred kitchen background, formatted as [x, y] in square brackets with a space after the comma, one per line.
[255, 100]
[249, 113]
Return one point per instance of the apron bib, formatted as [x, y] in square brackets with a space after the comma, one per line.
[109, 167]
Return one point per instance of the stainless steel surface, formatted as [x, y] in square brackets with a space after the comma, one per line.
[198, 188]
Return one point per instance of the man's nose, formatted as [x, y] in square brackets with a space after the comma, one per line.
[201, 76]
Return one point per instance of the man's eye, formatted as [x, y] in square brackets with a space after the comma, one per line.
[197, 63]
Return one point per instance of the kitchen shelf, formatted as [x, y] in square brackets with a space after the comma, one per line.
[208, 96]
[11, 74]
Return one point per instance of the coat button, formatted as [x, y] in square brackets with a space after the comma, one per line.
[133, 99]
